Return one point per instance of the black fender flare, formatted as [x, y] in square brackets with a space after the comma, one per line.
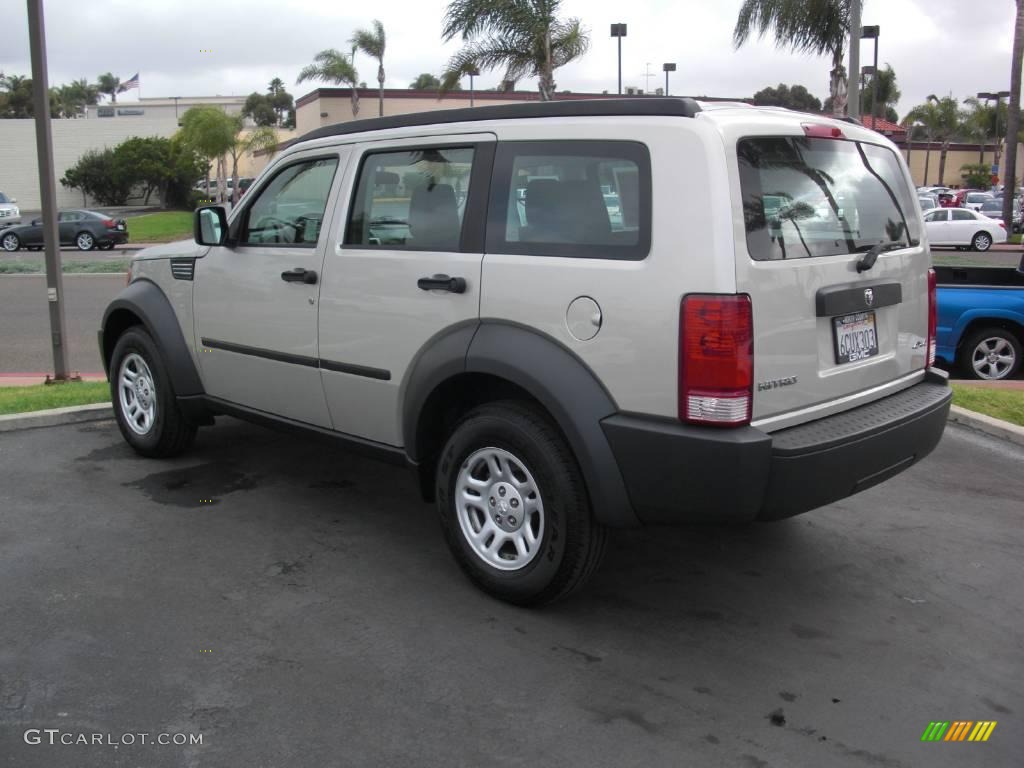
[145, 300]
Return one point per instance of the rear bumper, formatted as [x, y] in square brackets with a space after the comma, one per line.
[680, 473]
[114, 236]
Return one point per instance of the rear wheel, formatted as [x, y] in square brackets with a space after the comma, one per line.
[144, 402]
[85, 241]
[991, 354]
[513, 505]
[106, 246]
[10, 242]
[982, 241]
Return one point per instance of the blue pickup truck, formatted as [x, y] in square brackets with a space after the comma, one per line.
[981, 319]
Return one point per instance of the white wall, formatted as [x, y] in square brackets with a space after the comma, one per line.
[19, 170]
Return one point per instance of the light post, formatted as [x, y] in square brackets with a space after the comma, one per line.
[871, 33]
[473, 72]
[666, 68]
[619, 31]
[997, 97]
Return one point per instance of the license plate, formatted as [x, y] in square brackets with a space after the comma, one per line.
[855, 337]
[121, 227]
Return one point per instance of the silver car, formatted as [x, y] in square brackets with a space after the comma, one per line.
[9, 213]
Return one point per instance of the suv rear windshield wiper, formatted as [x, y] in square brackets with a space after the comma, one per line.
[867, 261]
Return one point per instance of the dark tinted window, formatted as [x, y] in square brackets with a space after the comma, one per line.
[959, 214]
[937, 216]
[290, 209]
[4, 198]
[411, 199]
[806, 197]
[584, 199]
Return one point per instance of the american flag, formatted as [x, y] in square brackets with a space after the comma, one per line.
[133, 83]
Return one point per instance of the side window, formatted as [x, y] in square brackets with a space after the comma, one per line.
[583, 199]
[936, 216]
[290, 209]
[411, 199]
[962, 215]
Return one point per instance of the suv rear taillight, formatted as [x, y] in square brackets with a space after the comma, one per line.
[933, 316]
[716, 359]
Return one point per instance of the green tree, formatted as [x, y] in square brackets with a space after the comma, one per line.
[425, 82]
[15, 96]
[943, 121]
[110, 85]
[259, 139]
[282, 102]
[795, 97]
[100, 175]
[819, 27]
[888, 94]
[526, 38]
[372, 42]
[984, 124]
[332, 66]
[976, 175]
[260, 108]
[210, 132]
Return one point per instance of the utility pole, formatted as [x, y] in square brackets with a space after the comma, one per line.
[853, 71]
[619, 31]
[1013, 116]
[47, 188]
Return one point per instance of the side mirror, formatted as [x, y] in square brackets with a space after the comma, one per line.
[211, 225]
[36, 222]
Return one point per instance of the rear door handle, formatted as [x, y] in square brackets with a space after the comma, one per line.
[299, 275]
[442, 283]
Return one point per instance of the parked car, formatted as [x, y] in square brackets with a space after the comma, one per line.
[981, 319]
[993, 209]
[83, 229]
[927, 202]
[590, 371]
[963, 228]
[244, 183]
[9, 213]
[947, 200]
[974, 200]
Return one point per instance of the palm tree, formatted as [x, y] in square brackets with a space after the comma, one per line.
[333, 66]
[943, 120]
[1013, 123]
[819, 27]
[16, 96]
[259, 139]
[524, 37]
[888, 94]
[927, 116]
[211, 133]
[110, 85]
[981, 122]
[372, 43]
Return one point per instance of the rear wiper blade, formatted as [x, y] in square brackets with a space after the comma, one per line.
[867, 261]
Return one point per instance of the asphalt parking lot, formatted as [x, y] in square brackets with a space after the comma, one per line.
[295, 606]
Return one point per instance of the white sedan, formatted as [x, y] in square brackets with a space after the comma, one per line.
[963, 228]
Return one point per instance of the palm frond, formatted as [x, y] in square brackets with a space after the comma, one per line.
[371, 42]
[806, 26]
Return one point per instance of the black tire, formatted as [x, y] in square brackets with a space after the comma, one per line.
[85, 241]
[571, 543]
[35, 248]
[170, 433]
[1002, 339]
[9, 241]
[106, 246]
[981, 241]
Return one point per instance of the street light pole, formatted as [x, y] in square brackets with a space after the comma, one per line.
[472, 73]
[47, 188]
[872, 33]
[853, 105]
[619, 31]
[668, 67]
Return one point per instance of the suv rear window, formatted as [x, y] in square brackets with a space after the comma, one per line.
[582, 199]
[806, 197]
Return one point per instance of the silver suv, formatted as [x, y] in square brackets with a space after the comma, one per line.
[565, 317]
[9, 213]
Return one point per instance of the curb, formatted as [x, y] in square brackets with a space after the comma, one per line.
[75, 414]
[982, 423]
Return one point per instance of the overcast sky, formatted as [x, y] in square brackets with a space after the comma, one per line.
[935, 46]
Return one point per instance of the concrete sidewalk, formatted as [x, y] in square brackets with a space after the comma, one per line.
[31, 379]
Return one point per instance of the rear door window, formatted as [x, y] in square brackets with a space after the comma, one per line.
[808, 197]
[582, 199]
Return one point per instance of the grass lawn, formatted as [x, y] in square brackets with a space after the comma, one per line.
[41, 397]
[162, 227]
[1005, 404]
[1014, 239]
[16, 267]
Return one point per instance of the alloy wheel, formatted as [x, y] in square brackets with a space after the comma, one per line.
[137, 394]
[993, 358]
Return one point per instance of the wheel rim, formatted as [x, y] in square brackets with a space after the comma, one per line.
[993, 358]
[982, 242]
[137, 394]
[10, 243]
[500, 510]
[85, 241]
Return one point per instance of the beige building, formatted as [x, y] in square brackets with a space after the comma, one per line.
[164, 107]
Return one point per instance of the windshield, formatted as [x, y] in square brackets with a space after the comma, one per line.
[992, 205]
[4, 198]
[806, 197]
[978, 197]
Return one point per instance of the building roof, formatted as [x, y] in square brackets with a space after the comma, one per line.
[883, 126]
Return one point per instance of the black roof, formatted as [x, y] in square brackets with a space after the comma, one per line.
[647, 105]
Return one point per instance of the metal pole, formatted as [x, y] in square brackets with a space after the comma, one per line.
[874, 88]
[471, 90]
[666, 82]
[853, 105]
[47, 188]
[620, 65]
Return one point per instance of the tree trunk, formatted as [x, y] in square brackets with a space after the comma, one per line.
[380, 82]
[546, 81]
[942, 160]
[927, 160]
[837, 83]
[355, 101]
[234, 180]
[1013, 121]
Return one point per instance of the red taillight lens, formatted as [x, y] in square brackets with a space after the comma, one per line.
[933, 316]
[716, 359]
[109, 223]
[817, 131]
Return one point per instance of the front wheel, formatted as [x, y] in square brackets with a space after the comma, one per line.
[513, 505]
[10, 242]
[982, 241]
[85, 241]
[144, 403]
[991, 354]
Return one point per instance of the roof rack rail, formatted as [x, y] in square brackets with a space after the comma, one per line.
[644, 105]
